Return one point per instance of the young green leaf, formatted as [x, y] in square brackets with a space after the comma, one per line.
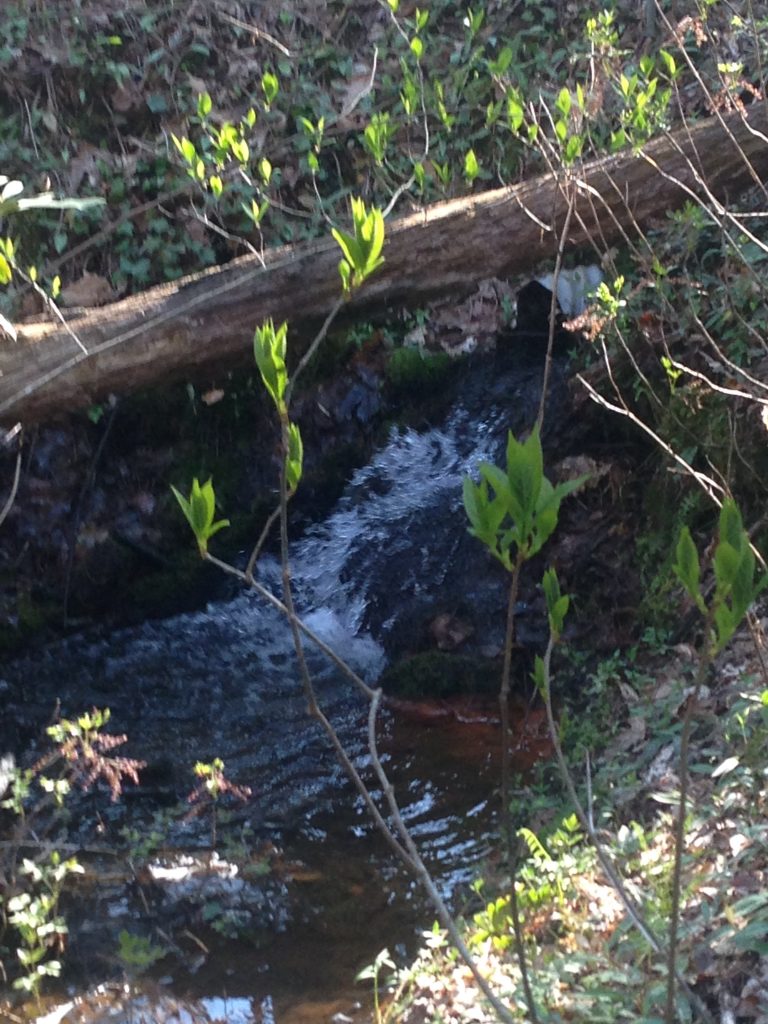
[557, 602]
[362, 251]
[269, 347]
[687, 567]
[204, 105]
[270, 87]
[515, 113]
[525, 470]
[539, 676]
[200, 510]
[471, 166]
[294, 458]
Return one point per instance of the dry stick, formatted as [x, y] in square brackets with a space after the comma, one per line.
[258, 32]
[707, 484]
[553, 305]
[634, 912]
[316, 342]
[14, 488]
[684, 748]
[758, 638]
[206, 221]
[713, 208]
[735, 369]
[86, 488]
[418, 867]
[506, 825]
[733, 392]
[425, 122]
[260, 542]
[592, 194]
[52, 266]
[677, 866]
[54, 308]
[629, 353]
[748, 327]
[677, 863]
[757, 52]
[405, 850]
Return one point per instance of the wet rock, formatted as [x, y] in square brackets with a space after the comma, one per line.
[437, 674]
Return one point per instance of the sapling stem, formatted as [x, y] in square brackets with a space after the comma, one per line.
[553, 307]
[508, 840]
[610, 870]
[677, 865]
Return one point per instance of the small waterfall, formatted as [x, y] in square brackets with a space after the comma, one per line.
[222, 681]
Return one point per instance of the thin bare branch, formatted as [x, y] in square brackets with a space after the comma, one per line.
[8, 505]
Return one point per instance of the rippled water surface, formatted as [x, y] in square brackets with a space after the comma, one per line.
[222, 682]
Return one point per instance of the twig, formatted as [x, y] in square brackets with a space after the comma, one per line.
[707, 484]
[14, 488]
[87, 485]
[52, 266]
[611, 872]
[206, 221]
[316, 343]
[258, 32]
[677, 863]
[553, 305]
[506, 772]
[271, 520]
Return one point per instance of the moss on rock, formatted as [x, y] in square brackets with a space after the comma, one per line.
[439, 674]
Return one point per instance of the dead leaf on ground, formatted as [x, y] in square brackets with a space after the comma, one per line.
[197, 86]
[126, 97]
[449, 631]
[212, 396]
[582, 465]
[194, 228]
[32, 305]
[84, 166]
[482, 313]
[417, 338]
[356, 89]
[628, 739]
[90, 290]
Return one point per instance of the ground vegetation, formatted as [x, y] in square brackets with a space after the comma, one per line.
[638, 898]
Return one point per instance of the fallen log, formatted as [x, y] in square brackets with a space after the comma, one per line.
[206, 321]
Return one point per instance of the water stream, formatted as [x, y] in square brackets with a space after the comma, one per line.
[222, 682]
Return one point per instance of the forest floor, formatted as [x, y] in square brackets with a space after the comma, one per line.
[351, 100]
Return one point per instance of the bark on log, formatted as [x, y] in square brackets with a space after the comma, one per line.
[207, 320]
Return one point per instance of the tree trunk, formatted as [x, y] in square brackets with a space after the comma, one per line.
[207, 321]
